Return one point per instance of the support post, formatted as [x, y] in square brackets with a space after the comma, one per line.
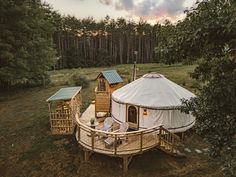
[172, 145]
[115, 144]
[160, 132]
[78, 131]
[126, 161]
[141, 141]
[87, 155]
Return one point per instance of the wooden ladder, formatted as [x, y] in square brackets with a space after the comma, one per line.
[169, 142]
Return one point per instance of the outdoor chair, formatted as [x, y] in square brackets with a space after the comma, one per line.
[111, 140]
[107, 127]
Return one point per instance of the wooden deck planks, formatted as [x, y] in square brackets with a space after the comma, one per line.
[131, 143]
[88, 114]
[129, 146]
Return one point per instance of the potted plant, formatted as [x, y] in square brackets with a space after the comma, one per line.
[92, 121]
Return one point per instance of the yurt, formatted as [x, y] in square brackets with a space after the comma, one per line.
[152, 100]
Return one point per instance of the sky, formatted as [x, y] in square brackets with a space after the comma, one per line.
[151, 11]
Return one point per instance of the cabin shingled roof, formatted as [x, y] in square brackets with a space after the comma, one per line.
[112, 76]
[65, 94]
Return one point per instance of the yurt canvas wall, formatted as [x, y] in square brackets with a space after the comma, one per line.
[156, 100]
[173, 120]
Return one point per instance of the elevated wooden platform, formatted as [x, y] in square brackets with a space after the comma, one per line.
[133, 142]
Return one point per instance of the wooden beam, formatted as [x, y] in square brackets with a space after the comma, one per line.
[87, 155]
[160, 132]
[92, 138]
[141, 141]
[78, 129]
[126, 162]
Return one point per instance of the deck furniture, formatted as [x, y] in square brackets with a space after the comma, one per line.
[107, 126]
[112, 141]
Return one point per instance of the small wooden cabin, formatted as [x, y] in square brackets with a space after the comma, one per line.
[107, 82]
[64, 107]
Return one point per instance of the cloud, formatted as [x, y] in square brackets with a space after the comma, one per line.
[171, 7]
[124, 5]
[106, 2]
[151, 9]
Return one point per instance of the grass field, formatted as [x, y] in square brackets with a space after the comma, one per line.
[28, 149]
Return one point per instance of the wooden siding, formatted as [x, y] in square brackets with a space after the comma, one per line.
[102, 102]
[103, 98]
[63, 114]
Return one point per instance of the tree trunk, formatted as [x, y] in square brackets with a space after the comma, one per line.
[121, 49]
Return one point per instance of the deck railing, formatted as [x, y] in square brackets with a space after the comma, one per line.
[169, 141]
[132, 142]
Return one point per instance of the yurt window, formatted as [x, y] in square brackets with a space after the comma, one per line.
[101, 85]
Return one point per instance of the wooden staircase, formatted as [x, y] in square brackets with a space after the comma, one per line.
[170, 142]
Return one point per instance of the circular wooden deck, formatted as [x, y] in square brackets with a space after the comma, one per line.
[129, 142]
[125, 143]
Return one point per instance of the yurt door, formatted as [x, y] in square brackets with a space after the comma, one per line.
[132, 116]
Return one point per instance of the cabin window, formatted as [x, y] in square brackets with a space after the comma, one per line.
[101, 85]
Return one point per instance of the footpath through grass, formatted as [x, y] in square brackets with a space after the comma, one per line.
[28, 149]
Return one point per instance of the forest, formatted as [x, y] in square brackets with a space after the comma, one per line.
[33, 34]
[35, 39]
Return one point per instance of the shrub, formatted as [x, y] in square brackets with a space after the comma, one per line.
[80, 80]
[188, 61]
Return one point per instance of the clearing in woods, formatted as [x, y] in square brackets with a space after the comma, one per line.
[27, 147]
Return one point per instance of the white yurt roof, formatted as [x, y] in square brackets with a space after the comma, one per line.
[152, 90]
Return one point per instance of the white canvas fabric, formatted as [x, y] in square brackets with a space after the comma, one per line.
[160, 97]
[173, 120]
[118, 111]
[153, 91]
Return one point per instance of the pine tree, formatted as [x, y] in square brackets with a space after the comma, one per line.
[26, 48]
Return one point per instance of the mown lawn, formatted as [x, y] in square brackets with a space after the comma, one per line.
[28, 149]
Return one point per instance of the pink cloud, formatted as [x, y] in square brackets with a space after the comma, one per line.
[152, 9]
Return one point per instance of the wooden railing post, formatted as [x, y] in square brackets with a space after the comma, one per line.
[172, 145]
[92, 139]
[168, 137]
[78, 132]
[141, 141]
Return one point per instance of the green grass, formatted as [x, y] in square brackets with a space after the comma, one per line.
[177, 73]
[27, 147]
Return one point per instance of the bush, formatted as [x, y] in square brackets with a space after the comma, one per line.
[188, 61]
[80, 80]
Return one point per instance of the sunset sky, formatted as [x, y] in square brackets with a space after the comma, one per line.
[150, 10]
